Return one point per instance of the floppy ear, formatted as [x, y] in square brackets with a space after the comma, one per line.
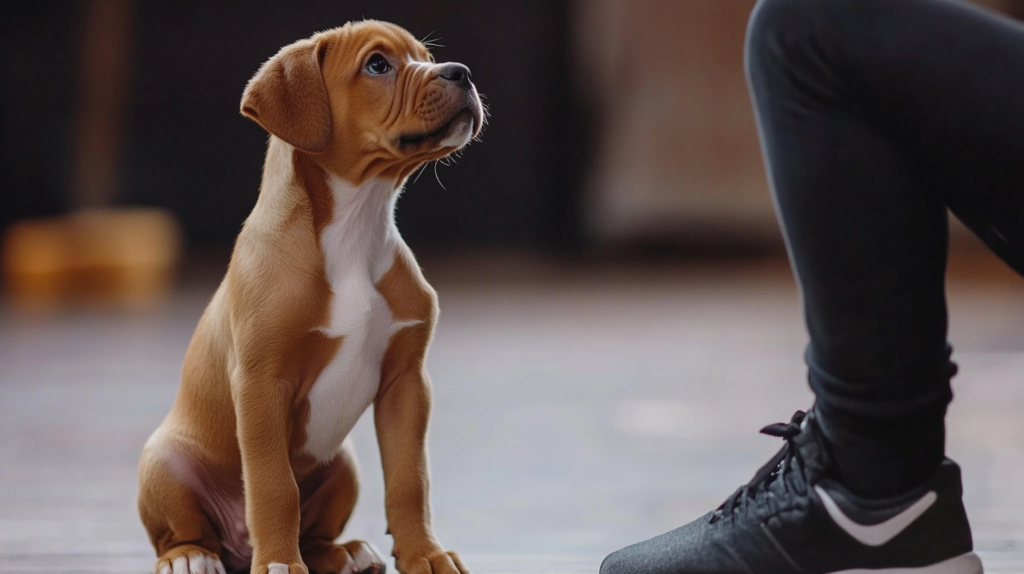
[287, 97]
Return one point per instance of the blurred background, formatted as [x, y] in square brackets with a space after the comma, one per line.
[618, 318]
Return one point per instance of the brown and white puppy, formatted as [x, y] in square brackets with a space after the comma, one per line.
[323, 311]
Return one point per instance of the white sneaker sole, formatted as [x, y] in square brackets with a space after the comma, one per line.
[964, 564]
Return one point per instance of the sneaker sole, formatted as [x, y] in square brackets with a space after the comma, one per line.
[964, 564]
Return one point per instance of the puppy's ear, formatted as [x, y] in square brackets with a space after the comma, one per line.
[287, 96]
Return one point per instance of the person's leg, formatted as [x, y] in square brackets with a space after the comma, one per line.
[870, 126]
[874, 116]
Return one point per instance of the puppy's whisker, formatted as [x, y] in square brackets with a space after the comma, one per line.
[431, 42]
[419, 172]
[437, 177]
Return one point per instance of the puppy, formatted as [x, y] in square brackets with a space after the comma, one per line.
[323, 311]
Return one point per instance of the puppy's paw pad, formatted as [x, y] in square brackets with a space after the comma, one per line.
[366, 559]
[458, 562]
[281, 568]
[438, 563]
[191, 563]
[355, 557]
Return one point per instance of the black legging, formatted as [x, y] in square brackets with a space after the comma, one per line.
[875, 116]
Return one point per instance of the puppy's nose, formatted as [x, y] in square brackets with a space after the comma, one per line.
[456, 73]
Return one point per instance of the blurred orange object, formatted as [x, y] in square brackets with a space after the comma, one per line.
[119, 256]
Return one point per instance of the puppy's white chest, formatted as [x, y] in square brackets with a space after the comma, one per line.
[359, 246]
[349, 382]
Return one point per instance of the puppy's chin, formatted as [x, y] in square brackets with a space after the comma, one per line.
[453, 134]
[460, 131]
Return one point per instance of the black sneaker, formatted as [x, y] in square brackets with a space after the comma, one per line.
[792, 519]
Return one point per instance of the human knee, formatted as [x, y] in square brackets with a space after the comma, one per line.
[773, 21]
[779, 29]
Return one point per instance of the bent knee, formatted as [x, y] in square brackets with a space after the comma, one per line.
[780, 28]
[776, 24]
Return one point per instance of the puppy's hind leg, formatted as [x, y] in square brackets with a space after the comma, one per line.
[182, 534]
[332, 494]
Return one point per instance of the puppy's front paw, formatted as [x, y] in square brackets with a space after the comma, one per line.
[279, 568]
[355, 557]
[440, 562]
[189, 559]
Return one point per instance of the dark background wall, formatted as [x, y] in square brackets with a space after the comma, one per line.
[38, 67]
[185, 147]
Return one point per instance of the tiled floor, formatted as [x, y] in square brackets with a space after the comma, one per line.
[577, 410]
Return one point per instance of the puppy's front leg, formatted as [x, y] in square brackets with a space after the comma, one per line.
[271, 494]
[401, 412]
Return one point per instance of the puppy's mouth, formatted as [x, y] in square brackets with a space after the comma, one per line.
[437, 136]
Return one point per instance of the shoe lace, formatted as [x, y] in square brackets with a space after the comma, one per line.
[785, 470]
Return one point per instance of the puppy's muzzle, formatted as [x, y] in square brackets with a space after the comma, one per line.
[462, 116]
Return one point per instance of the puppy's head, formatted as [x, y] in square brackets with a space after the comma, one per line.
[367, 99]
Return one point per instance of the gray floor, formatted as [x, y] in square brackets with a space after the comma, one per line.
[576, 411]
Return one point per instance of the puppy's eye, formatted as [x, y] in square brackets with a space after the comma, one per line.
[378, 65]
